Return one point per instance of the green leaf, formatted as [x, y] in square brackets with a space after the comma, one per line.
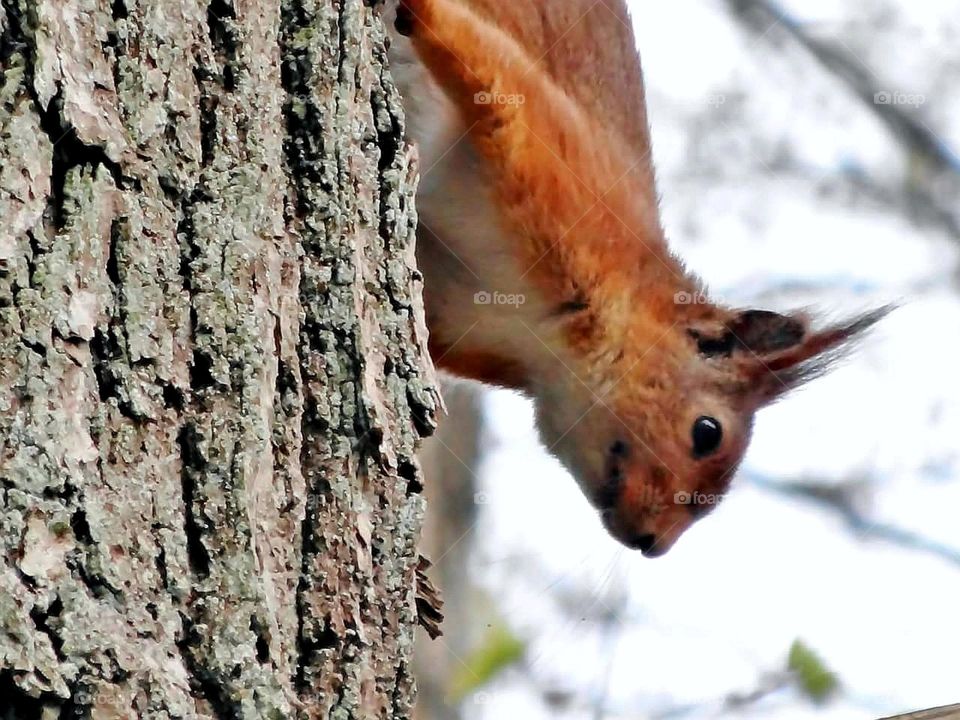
[498, 650]
[813, 677]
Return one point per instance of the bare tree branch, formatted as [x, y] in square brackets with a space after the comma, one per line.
[842, 501]
[933, 187]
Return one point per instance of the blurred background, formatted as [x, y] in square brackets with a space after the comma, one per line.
[807, 154]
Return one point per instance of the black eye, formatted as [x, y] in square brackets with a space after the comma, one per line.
[707, 435]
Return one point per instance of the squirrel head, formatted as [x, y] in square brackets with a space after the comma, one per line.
[659, 430]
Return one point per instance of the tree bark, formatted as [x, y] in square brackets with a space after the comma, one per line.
[213, 367]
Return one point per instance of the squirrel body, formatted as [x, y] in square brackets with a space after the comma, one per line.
[547, 270]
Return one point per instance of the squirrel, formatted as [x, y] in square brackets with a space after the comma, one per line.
[546, 269]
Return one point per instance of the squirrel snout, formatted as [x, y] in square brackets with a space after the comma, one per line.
[653, 534]
[635, 538]
[646, 543]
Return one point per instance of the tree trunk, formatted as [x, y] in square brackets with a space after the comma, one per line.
[213, 373]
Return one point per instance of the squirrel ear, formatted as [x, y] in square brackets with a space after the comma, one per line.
[773, 353]
[750, 332]
[763, 332]
[784, 359]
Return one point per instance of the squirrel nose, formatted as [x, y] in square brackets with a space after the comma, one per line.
[645, 543]
[648, 543]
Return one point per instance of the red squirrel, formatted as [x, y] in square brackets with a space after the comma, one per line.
[546, 269]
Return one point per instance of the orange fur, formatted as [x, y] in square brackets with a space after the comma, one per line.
[486, 367]
[548, 153]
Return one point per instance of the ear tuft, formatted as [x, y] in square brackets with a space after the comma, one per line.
[817, 352]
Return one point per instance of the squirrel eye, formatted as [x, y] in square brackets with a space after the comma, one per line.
[707, 435]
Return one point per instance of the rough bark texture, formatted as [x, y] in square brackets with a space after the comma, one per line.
[213, 372]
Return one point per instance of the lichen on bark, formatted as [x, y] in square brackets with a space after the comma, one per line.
[213, 374]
